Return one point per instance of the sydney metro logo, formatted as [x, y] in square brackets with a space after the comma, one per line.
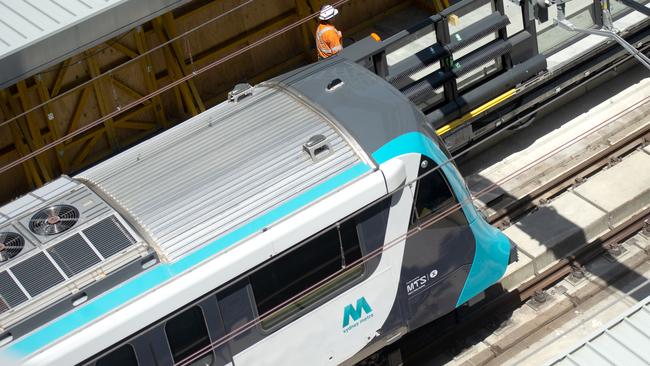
[353, 314]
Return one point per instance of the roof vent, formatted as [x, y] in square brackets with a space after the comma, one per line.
[10, 245]
[317, 147]
[53, 220]
[334, 84]
[240, 91]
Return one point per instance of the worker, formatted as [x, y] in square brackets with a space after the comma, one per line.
[328, 38]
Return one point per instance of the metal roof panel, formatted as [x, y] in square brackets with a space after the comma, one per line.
[219, 170]
[27, 21]
[36, 34]
[626, 341]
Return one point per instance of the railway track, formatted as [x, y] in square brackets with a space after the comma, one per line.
[506, 210]
[450, 332]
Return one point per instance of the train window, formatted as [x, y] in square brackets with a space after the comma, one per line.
[302, 268]
[187, 335]
[433, 195]
[123, 356]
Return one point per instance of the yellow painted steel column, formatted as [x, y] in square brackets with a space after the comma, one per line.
[101, 100]
[50, 117]
[150, 76]
[33, 134]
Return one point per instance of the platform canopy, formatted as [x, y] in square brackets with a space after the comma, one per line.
[625, 341]
[37, 34]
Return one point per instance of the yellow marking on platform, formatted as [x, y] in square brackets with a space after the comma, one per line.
[446, 128]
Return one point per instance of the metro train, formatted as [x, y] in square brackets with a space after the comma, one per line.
[271, 229]
[311, 219]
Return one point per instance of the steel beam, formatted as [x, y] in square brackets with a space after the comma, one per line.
[149, 76]
[170, 30]
[33, 134]
[174, 69]
[51, 118]
[29, 167]
[93, 68]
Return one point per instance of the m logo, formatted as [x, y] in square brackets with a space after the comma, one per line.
[355, 312]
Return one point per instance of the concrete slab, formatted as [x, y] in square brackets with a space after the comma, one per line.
[554, 231]
[518, 272]
[642, 241]
[580, 324]
[601, 271]
[572, 311]
[621, 190]
[479, 353]
[513, 153]
[525, 320]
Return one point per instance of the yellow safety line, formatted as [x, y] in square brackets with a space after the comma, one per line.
[446, 128]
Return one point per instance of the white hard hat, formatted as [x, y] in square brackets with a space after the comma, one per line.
[327, 12]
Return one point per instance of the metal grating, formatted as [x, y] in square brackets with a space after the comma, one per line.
[73, 255]
[37, 274]
[109, 237]
[9, 290]
[625, 341]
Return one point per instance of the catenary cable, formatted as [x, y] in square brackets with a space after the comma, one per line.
[116, 68]
[161, 90]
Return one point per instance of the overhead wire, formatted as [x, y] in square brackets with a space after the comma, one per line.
[161, 90]
[116, 68]
[360, 261]
[373, 254]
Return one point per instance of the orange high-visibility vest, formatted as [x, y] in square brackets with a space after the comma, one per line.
[328, 40]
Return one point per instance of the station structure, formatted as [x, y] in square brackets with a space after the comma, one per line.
[66, 65]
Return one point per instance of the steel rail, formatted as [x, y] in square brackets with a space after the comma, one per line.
[473, 322]
[584, 255]
[507, 211]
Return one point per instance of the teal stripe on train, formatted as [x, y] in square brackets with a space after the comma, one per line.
[485, 270]
[163, 272]
[492, 246]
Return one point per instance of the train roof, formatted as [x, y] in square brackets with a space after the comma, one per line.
[371, 110]
[191, 192]
[221, 169]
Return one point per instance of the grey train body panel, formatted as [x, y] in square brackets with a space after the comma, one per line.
[379, 112]
[435, 267]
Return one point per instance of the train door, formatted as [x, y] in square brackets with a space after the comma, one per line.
[185, 338]
[236, 308]
[190, 334]
[438, 257]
